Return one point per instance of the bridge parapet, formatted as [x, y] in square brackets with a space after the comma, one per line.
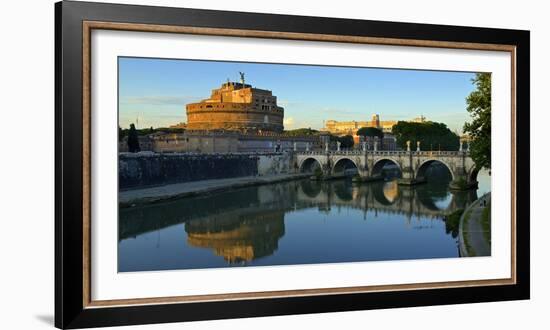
[347, 152]
[306, 153]
[387, 153]
[441, 153]
[331, 152]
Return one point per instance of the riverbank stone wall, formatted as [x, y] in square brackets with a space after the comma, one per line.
[273, 164]
[153, 169]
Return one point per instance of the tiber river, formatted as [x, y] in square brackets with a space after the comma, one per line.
[296, 222]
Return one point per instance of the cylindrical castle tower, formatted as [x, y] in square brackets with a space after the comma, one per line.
[237, 107]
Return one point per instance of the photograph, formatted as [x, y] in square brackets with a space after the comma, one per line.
[225, 163]
[248, 164]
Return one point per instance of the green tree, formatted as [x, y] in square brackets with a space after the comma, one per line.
[133, 141]
[301, 132]
[346, 141]
[432, 135]
[479, 129]
[370, 131]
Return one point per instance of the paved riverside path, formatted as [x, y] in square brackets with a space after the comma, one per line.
[186, 189]
[472, 230]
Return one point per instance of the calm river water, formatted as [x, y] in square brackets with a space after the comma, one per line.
[297, 222]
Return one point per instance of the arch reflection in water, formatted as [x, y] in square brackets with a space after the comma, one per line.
[297, 222]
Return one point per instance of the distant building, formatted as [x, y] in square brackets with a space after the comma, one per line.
[236, 107]
[465, 137]
[351, 127]
[179, 125]
[420, 119]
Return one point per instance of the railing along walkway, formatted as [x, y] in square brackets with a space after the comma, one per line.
[384, 153]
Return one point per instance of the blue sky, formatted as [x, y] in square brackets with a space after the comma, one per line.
[156, 90]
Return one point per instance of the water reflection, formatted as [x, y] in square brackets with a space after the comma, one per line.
[238, 239]
[292, 222]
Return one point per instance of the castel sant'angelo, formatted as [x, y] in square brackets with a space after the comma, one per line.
[236, 106]
[240, 118]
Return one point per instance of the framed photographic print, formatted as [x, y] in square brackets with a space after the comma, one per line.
[214, 164]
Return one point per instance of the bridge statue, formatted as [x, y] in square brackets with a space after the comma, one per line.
[338, 145]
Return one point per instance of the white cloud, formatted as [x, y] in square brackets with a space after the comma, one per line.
[288, 122]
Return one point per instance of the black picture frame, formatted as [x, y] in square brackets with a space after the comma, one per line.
[70, 309]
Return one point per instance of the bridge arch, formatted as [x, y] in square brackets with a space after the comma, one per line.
[311, 189]
[424, 166]
[382, 196]
[434, 197]
[310, 164]
[472, 173]
[343, 191]
[344, 164]
[379, 165]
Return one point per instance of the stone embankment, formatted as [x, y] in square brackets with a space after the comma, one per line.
[134, 197]
[474, 234]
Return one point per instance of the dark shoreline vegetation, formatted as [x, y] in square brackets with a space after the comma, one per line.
[452, 223]
[469, 249]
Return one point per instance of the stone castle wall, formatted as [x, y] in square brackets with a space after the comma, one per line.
[223, 142]
[236, 106]
[196, 143]
[234, 117]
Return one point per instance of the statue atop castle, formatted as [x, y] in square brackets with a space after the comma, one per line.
[242, 77]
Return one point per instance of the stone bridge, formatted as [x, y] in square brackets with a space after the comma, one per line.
[413, 165]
